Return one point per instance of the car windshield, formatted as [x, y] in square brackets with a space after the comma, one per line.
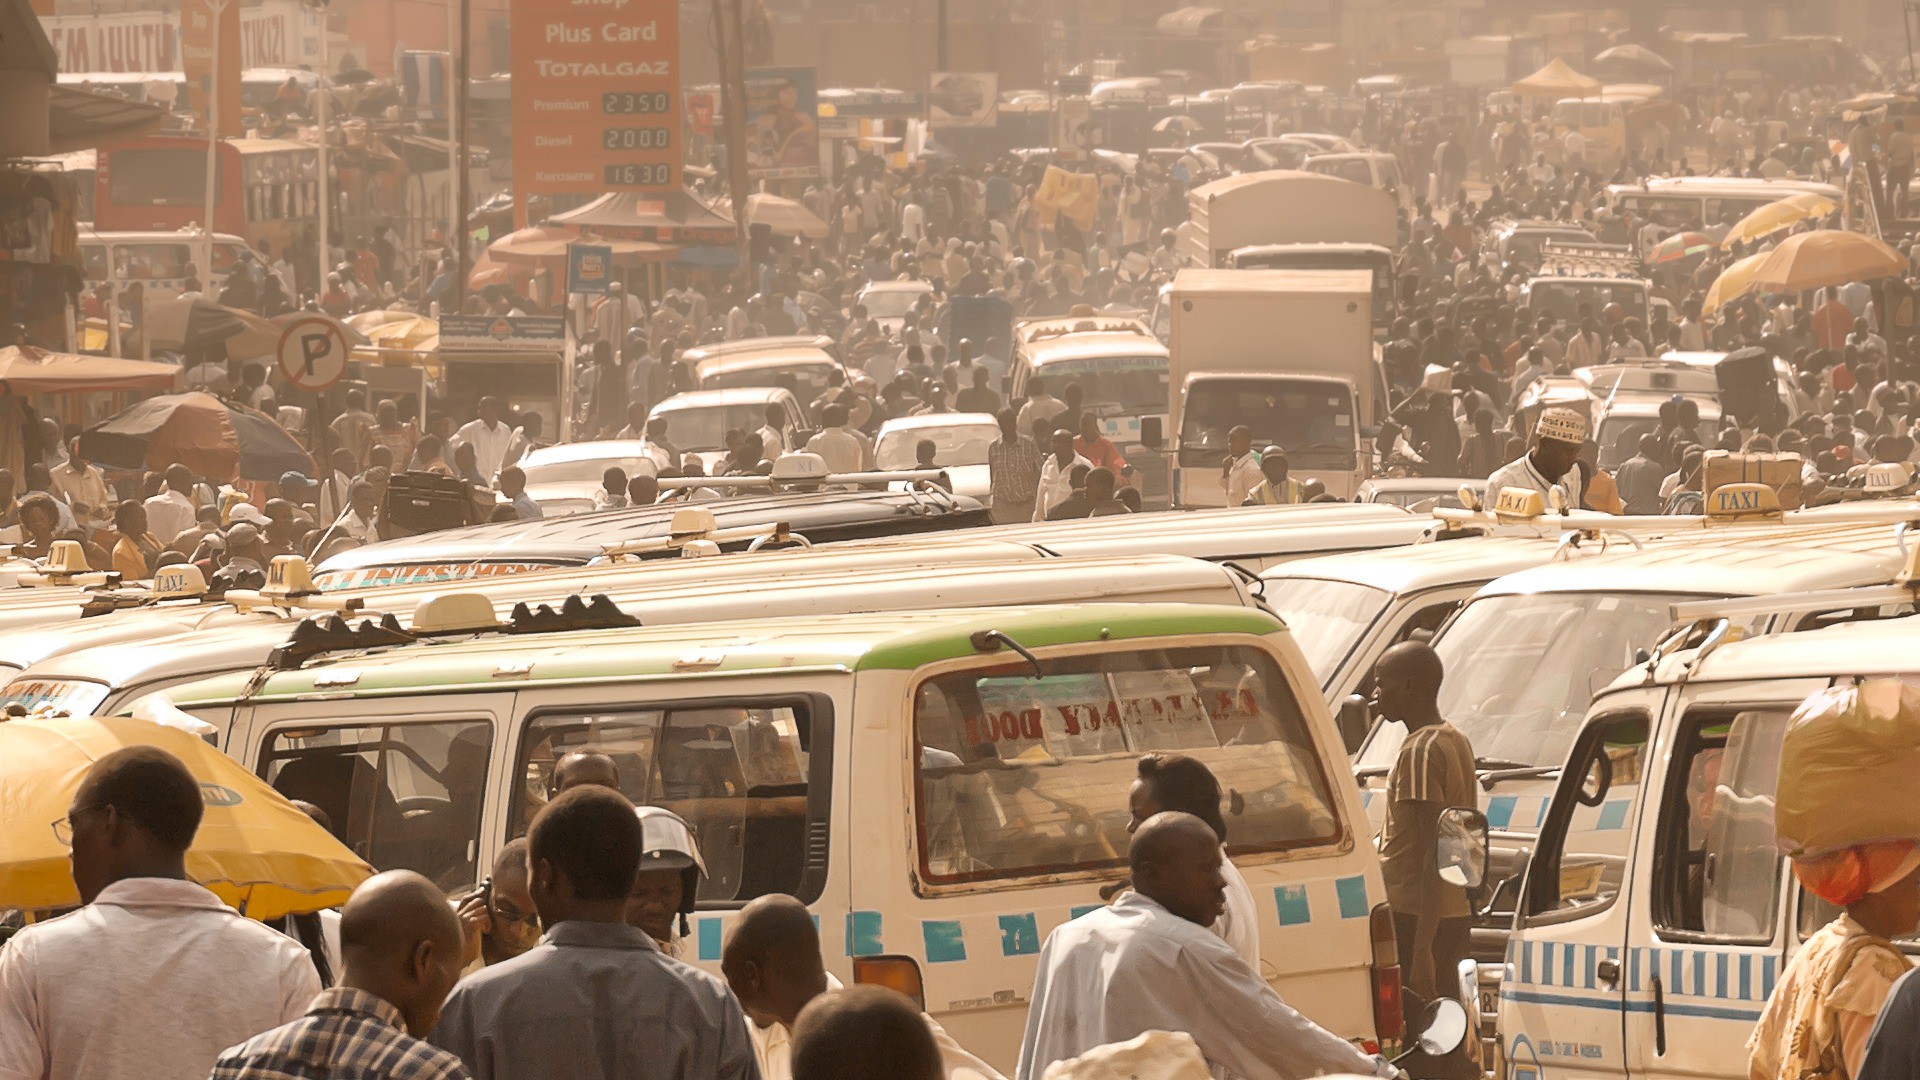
[1114, 385]
[1562, 299]
[586, 470]
[890, 303]
[1326, 617]
[705, 427]
[1422, 498]
[1619, 437]
[810, 378]
[68, 697]
[1312, 420]
[1522, 669]
[954, 445]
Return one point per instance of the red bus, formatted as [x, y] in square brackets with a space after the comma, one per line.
[266, 190]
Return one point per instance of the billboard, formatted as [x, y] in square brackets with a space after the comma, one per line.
[783, 127]
[596, 96]
[958, 99]
[204, 26]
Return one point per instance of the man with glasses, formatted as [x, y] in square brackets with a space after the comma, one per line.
[154, 976]
[498, 919]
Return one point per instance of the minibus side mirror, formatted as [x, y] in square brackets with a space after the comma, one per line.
[1152, 434]
[1355, 720]
[1460, 847]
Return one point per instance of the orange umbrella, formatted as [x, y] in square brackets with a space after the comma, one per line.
[27, 370]
[1814, 260]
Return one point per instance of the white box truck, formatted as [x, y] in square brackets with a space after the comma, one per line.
[1288, 353]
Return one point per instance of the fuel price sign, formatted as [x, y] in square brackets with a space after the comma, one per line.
[596, 95]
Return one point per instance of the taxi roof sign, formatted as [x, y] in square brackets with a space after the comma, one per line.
[1519, 504]
[1736, 502]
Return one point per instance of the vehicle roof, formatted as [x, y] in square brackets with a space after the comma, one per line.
[1224, 533]
[663, 592]
[579, 537]
[1092, 345]
[789, 357]
[754, 345]
[1420, 483]
[1730, 560]
[1466, 560]
[1331, 248]
[1877, 647]
[141, 236]
[599, 449]
[1336, 282]
[898, 285]
[892, 640]
[1350, 155]
[732, 395]
[1706, 185]
[932, 420]
[1300, 178]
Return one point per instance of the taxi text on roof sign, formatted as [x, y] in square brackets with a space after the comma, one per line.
[597, 96]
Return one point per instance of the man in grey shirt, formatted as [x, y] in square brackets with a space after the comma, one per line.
[595, 1000]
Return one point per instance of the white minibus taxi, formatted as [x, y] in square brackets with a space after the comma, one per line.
[1657, 914]
[869, 765]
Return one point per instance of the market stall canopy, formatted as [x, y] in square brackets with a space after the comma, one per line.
[190, 323]
[1632, 57]
[81, 119]
[785, 217]
[44, 118]
[254, 849]
[213, 438]
[26, 370]
[548, 244]
[1814, 260]
[1556, 80]
[668, 217]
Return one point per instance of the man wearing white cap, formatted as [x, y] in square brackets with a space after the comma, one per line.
[1557, 436]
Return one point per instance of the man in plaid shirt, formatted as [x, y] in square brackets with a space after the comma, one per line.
[400, 944]
[1013, 468]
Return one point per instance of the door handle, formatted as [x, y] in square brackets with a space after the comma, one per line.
[1608, 972]
[1659, 1018]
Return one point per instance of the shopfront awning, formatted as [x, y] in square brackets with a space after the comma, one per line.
[81, 119]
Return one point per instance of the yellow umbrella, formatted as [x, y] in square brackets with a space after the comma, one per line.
[1814, 260]
[1735, 281]
[1783, 214]
[255, 850]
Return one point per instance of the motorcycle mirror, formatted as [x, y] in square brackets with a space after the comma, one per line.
[1446, 1031]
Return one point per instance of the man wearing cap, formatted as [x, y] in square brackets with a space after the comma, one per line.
[1557, 436]
[1278, 489]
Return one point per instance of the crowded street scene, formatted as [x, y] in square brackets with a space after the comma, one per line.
[802, 540]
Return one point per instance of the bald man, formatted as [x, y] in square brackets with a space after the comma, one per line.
[1434, 771]
[1105, 977]
[585, 767]
[866, 1033]
[401, 946]
[772, 963]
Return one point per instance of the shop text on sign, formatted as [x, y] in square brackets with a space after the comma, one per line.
[596, 95]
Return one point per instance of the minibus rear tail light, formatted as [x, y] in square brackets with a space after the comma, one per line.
[902, 973]
[1389, 1016]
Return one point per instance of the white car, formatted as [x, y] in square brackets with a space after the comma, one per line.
[1418, 493]
[960, 442]
[887, 302]
[562, 479]
[698, 421]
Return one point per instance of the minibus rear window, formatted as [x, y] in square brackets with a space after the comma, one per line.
[1022, 775]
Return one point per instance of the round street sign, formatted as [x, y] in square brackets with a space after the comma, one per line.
[313, 353]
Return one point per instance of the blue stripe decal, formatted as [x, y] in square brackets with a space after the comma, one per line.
[1291, 904]
[1587, 966]
[1083, 909]
[1746, 977]
[1722, 988]
[1768, 966]
[863, 933]
[1019, 935]
[1500, 811]
[1525, 949]
[1612, 1004]
[707, 938]
[1540, 822]
[1674, 960]
[1566, 965]
[1633, 969]
[1700, 976]
[945, 941]
[1352, 893]
[1613, 816]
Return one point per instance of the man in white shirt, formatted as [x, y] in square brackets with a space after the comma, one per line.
[154, 976]
[772, 963]
[84, 488]
[1148, 963]
[617, 312]
[1056, 474]
[773, 434]
[489, 436]
[1557, 436]
[842, 448]
[1240, 472]
[170, 512]
[1039, 405]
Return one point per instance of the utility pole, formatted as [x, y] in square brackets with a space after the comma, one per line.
[203, 256]
[940, 37]
[459, 28]
[325, 209]
[733, 104]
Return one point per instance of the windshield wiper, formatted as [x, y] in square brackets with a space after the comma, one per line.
[1499, 763]
[1490, 780]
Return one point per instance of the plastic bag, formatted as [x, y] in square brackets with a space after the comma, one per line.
[1848, 765]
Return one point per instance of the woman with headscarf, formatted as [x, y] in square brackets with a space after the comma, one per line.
[1818, 1021]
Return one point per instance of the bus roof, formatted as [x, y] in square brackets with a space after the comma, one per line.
[1424, 566]
[1092, 346]
[894, 640]
[1878, 647]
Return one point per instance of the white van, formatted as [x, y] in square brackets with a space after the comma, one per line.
[1374, 168]
[104, 675]
[160, 262]
[867, 764]
[1657, 915]
[1121, 369]
[1681, 203]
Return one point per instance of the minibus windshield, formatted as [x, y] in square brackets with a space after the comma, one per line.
[1327, 617]
[1522, 669]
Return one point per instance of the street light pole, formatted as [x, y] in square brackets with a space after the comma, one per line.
[325, 187]
[458, 29]
[217, 8]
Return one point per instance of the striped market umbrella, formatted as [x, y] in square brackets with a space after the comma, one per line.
[215, 439]
[1680, 246]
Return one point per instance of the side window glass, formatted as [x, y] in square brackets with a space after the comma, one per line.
[738, 775]
[402, 796]
[1582, 858]
[1023, 774]
[1718, 870]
